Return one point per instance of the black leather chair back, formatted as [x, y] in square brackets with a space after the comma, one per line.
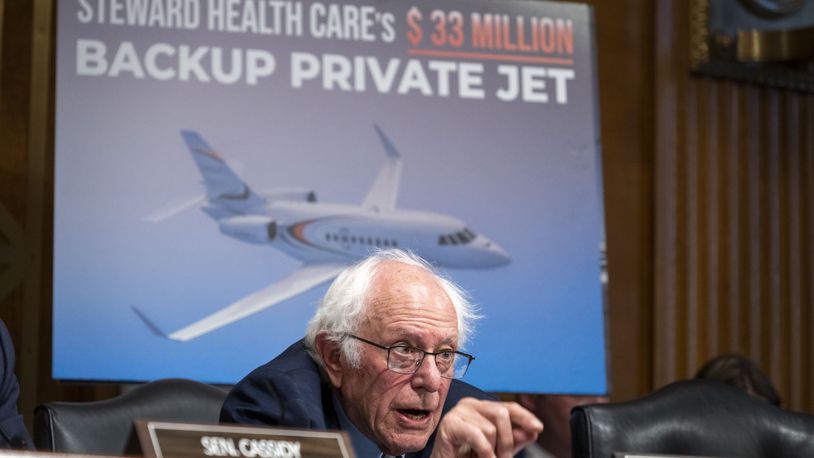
[106, 427]
[694, 417]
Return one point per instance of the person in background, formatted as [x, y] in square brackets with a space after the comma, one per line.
[554, 410]
[12, 429]
[381, 360]
[740, 372]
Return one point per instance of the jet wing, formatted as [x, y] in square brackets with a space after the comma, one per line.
[301, 280]
[382, 195]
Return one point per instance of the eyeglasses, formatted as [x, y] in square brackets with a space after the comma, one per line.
[405, 359]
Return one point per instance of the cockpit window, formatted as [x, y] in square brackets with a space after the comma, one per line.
[459, 238]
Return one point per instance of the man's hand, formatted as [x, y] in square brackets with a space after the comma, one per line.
[485, 429]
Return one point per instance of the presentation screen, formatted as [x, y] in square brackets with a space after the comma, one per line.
[219, 162]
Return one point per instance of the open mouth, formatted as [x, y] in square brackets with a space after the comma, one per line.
[414, 414]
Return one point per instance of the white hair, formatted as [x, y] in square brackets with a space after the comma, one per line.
[343, 306]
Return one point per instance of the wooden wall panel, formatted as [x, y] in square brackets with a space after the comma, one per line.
[733, 252]
[14, 87]
[624, 37]
[668, 220]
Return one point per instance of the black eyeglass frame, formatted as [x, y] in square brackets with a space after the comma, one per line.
[424, 353]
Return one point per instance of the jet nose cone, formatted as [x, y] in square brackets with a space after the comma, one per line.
[499, 256]
[493, 255]
[478, 253]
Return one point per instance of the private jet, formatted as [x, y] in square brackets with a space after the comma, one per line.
[326, 237]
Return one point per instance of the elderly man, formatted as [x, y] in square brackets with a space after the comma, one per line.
[380, 360]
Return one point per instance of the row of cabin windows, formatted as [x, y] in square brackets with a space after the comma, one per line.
[345, 238]
[459, 238]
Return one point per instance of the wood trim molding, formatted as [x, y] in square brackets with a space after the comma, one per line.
[39, 134]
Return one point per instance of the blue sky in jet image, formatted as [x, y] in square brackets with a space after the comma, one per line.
[522, 176]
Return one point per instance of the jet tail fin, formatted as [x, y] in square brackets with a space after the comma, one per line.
[223, 187]
[384, 192]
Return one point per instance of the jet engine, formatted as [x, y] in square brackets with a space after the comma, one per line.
[291, 194]
[255, 229]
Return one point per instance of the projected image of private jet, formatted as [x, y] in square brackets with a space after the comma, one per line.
[325, 237]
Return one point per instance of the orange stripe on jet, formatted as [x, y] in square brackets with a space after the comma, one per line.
[209, 153]
[298, 232]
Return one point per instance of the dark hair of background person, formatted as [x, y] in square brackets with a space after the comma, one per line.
[554, 410]
[740, 372]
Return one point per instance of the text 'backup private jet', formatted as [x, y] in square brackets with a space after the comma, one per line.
[325, 237]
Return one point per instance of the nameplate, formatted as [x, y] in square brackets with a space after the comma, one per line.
[639, 455]
[10, 453]
[180, 440]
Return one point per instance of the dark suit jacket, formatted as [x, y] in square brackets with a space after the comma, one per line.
[290, 391]
[12, 428]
